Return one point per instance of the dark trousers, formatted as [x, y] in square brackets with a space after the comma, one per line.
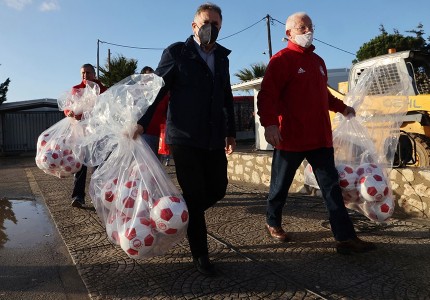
[202, 176]
[284, 167]
[79, 183]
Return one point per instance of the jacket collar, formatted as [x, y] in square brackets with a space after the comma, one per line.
[190, 48]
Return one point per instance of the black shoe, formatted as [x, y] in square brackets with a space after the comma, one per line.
[204, 266]
[354, 245]
[78, 202]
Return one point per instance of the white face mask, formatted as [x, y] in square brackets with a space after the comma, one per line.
[304, 40]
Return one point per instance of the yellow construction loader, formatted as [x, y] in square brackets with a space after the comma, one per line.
[414, 142]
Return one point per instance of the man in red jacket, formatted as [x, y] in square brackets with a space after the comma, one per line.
[293, 105]
[78, 195]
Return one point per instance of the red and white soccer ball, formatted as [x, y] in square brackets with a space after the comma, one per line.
[127, 197]
[169, 215]
[132, 198]
[373, 187]
[139, 171]
[113, 225]
[70, 162]
[42, 161]
[347, 177]
[379, 211]
[369, 169]
[352, 196]
[53, 158]
[108, 192]
[137, 238]
[43, 140]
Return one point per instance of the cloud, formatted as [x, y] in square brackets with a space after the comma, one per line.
[49, 5]
[17, 4]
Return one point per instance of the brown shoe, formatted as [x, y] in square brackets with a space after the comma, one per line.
[277, 233]
[354, 245]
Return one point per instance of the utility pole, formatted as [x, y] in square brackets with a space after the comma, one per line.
[109, 60]
[269, 38]
[98, 52]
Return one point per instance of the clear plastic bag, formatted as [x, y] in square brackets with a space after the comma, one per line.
[58, 147]
[365, 145]
[54, 153]
[142, 210]
[80, 101]
[115, 115]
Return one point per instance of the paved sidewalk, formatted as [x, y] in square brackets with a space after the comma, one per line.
[250, 264]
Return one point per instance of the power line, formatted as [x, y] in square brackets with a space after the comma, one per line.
[334, 47]
[321, 41]
[242, 29]
[148, 48]
[134, 47]
[267, 17]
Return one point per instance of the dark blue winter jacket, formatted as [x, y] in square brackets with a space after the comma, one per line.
[200, 112]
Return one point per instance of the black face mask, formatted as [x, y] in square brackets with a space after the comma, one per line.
[208, 34]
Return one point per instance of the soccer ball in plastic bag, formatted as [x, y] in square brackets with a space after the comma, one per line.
[373, 187]
[369, 169]
[132, 198]
[70, 163]
[350, 197]
[127, 197]
[43, 140]
[379, 211]
[113, 224]
[169, 214]
[137, 237]
[347, 177]
[42, 161]
[108, 192]
[139, 171]
[53, 158]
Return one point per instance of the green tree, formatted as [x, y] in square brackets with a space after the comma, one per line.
[3, 90]
[119, 68]
[256, 71]
[380, 44]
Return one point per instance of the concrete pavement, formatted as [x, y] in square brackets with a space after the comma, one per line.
[249, 263]
[34, 261]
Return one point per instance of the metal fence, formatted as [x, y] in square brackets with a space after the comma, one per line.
[21, 129]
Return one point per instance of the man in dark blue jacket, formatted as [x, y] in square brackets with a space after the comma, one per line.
[200, 122]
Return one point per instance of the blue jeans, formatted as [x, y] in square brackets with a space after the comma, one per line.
[284, 167]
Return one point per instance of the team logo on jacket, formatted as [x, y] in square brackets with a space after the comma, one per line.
[300, 71]
[322, 71]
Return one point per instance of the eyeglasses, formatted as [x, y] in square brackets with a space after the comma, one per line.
[304, 28]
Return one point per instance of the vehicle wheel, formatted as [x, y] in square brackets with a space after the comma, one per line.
[423, 150]
[403, 153]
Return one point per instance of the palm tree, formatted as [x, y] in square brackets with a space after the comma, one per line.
[257, 70]
[3, 90]
[118, 69]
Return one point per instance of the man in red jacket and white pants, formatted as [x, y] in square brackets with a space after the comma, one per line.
[88, 73]
[293, 105]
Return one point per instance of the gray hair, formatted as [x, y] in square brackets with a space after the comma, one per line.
[208, 6]
[291, 20]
